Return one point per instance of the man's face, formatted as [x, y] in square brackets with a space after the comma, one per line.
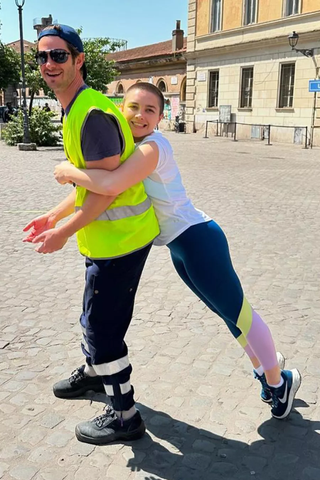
[58, 76]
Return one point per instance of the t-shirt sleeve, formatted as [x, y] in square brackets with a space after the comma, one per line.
[100, 137]
[163, 146]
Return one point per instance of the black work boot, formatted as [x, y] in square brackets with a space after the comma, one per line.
[78, 384]
[109, 428]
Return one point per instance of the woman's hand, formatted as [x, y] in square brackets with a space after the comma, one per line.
[63, 172]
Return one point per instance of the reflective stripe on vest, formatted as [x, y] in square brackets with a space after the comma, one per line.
[132, 230]
[118, 213]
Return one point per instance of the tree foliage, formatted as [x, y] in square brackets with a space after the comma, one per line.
[34, 81]
[43, 131]
[100, 71]
[9, 66]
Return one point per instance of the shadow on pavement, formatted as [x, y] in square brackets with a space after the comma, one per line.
[288, 450]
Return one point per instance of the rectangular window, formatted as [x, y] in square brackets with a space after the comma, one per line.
[250, 12]
[213, 89]
[291, 7]
[216, 13]
[286, 85]
[246, 87]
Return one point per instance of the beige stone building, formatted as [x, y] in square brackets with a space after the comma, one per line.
[242, 69]
[163, 64]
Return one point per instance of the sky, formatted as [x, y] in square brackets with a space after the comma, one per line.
[140, 22]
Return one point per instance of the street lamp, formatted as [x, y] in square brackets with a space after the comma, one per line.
[293, 39]
[27, 145]
[293, 42]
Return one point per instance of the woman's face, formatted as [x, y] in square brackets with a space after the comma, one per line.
[142, 111]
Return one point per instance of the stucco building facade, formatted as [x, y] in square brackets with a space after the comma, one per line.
[163, 64]
[239, 57]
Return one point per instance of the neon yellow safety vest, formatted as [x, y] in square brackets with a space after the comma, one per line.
[129, 223]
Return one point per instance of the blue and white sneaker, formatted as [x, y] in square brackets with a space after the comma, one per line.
[265, 394]
[283, 397]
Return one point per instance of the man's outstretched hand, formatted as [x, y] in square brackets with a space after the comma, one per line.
[37, 226]
[51, 241]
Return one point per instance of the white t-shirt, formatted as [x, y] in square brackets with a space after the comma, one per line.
[174, 210]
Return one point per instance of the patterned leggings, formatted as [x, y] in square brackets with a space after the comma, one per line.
[202, 259]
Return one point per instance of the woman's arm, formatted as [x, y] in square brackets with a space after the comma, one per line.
[135, 169]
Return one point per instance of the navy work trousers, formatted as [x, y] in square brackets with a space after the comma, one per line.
[108, 303]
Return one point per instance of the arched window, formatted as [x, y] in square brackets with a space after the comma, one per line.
[120, 90]
[183, 90]
[162, 85]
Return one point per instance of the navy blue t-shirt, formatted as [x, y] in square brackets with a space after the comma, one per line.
[100, 136]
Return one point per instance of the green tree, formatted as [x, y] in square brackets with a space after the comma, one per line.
[9, 66]
[100, 71]
[34, 81]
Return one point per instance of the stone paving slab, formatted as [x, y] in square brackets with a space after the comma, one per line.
[193, 383]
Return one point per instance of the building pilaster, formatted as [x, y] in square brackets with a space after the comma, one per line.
[191, 73]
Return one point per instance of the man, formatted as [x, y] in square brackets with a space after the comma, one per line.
[115, 235]
[46, 107]
[8, 112]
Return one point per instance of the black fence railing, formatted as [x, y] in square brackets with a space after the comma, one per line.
[231, 127]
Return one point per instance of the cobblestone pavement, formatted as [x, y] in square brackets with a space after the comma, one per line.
[193, 384]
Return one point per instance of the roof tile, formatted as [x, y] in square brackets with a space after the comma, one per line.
[154, 50]
[16, 45]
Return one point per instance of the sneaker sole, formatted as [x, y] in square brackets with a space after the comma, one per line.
[296, 382]
[281, 362]
[266, 401]
[135, 435]
[78, 393]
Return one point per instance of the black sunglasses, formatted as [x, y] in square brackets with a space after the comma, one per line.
[57, 55]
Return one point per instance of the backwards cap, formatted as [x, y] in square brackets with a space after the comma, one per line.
[68, 34]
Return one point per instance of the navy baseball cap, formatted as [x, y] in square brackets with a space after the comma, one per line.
[68, 34]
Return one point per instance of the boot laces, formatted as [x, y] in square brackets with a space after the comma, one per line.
[76, 375]
[106, 418]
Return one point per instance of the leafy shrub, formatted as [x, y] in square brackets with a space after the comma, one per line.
[13, 133]
[42, 130]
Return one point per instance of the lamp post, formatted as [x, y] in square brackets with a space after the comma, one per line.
[293, 42]
[293, 39]
[26, 145]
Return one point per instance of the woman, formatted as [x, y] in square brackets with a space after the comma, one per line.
[198, 247]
